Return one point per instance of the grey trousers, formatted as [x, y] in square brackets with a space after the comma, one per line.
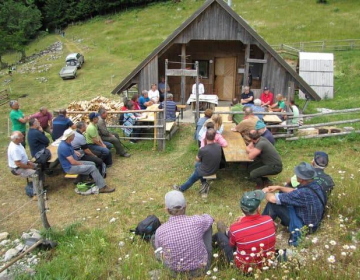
[116, 142]
[88, 168]
[197, 272]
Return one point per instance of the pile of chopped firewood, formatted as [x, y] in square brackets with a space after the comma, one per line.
[93, 105]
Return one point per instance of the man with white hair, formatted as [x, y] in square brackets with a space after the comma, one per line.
[258, 109]
[184, 243]
[17, 158]
[69, 159]
[247, 97]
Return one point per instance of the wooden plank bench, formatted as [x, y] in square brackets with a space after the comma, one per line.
[236, 149]
[71, 176]
[172, 127]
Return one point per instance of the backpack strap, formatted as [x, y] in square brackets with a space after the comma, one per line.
[319, 197]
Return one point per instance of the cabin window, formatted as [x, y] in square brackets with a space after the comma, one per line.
[256, 73]
[203, 68]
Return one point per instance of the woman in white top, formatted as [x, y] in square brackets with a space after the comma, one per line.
[153, 94]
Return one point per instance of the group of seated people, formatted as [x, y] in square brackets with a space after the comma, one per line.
[250, 242]
[82, 149]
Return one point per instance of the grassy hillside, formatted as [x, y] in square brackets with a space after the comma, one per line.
[113, 46]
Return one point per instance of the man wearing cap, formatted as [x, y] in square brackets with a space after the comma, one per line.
[267, 160]
[267, 97]
[207, 163]
[184, 243]
[94, 141]
[236, 106]
[319, 162]
[69, 160]
[107, 136]
[303, 206]
[247, 124]
[60, 124]
[251, 239]
[260, 127]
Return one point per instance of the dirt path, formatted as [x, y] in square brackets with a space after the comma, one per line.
[70, 45]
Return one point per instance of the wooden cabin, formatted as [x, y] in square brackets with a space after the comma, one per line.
[228, 51]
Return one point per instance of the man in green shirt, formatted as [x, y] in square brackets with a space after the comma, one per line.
[95, 144]
[279, 106]
[18, 119]
[236, 107]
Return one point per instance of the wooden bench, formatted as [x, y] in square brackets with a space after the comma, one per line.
[172, 127]
[236, 149]
[71, 176]
[274, 119]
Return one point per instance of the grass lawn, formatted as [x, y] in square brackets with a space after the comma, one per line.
[113, 46]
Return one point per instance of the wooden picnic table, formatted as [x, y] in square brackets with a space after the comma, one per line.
[272, 119]
[236, 149]
[150, 115]
[225, 117]
[54, 155]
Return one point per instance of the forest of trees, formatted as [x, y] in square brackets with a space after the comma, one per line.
[21, 20]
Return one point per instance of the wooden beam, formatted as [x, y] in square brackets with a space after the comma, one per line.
[254, 60]
[264, 73]
[183, 78]
[322, 135]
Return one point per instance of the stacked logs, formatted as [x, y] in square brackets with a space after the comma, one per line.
[91, 106]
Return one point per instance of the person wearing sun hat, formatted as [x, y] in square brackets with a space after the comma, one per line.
[69, 160]
[264, 132]
[251, 240]
[184, 243]
[303, 206]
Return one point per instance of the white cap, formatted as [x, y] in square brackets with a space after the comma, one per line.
[175, 199]
[67, 133]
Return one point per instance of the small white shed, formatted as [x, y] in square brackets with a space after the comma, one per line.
[317, 69]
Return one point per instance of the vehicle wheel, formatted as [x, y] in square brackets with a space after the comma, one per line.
[75, 76]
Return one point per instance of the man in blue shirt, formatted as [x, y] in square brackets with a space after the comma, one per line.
[170, 108]
[303, 206]
[144, 100]
[36, 137]
[60, 124]
[69, 160]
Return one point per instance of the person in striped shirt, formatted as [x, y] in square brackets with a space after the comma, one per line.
[250, 241]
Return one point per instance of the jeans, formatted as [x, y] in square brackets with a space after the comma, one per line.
[207, 237]
[105, 152]
[288, 218]
[115, 141]
[98, 161]
[88, 168]
[223, 243]
[193, 178]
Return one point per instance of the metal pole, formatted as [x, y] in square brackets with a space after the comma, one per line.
[38, 186]
[197, 115]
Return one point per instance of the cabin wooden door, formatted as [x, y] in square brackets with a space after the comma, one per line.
[225, 73]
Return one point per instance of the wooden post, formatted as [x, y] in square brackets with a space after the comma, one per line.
[247, 66]
[155, 128]
[265, 72]
[183, 78]
[197, 92]
[38, 186]
[161, 132]
[165, 93]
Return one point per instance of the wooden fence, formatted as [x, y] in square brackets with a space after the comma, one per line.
[4, 97]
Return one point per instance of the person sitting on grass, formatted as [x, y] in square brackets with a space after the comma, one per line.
[319, 162]
[251, 240]
[69, 160]
[144, 100]
[207, 163]
[93, 139]
[184, 243]
[260, 127]
[170, 108]
[218, 137]
[267, 160]
[300, 207]
[207, 115]
[236, 106]
[246, 125]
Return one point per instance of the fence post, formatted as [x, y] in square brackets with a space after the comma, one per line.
[38, 186]
[160, 135]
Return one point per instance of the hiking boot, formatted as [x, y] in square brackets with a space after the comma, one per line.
[267, 182]
[106, 189]
[127, 155]
[204, 188]
[221, 227]
[176, 187]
